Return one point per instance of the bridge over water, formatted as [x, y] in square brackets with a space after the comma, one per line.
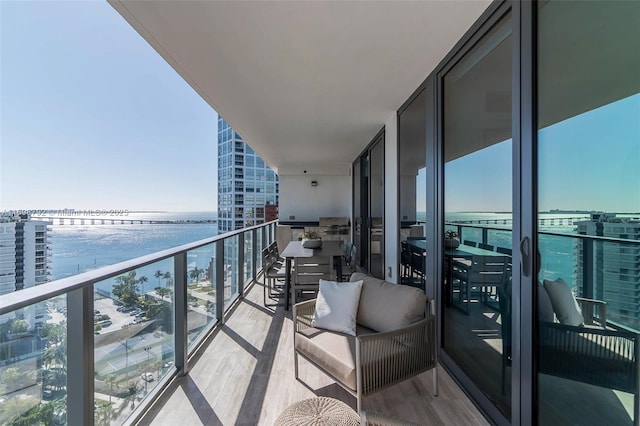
[77, 220]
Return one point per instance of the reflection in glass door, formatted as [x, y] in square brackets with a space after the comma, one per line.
[588, 294]
[476, 286]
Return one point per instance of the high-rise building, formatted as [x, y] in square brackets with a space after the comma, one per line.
[246, 185]
[24, 261]
[615, 266]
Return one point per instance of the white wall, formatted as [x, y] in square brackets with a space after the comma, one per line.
[332, 196]
[391, 198]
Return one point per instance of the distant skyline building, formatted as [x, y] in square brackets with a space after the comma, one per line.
[246, 185]
[616, 266]
[24, 259]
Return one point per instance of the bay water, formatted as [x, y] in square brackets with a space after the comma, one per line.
[80, 248]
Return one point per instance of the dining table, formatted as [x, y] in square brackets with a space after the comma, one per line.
[331, 249]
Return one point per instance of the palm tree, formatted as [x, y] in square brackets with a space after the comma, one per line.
[167, 276]
[126, 288]
[162, 292]
[104, 413]
[111, 380]
[143, 280]
[193, 274]
[159, 274]
[198, 273]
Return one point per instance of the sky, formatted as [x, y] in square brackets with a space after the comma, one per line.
[587, 162]
[91, 117]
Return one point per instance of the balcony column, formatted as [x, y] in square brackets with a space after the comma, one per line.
[80, 357]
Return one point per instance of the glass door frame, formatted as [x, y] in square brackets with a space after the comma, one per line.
[363, 166]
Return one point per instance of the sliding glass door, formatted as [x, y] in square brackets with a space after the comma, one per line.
[588, 212]
[477, 264]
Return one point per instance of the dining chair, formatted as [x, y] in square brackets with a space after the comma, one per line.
[504, 250]
[347, 259]
[485, 246]
[480, 278]
[417, 262]
[405, 261]
[273, 272]
[470, 243]
[307, 273]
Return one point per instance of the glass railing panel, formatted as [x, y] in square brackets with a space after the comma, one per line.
[500, 238]
[230, 269]
[559, 256]
[33, 364]
[248, 257]
[471, 234]
[134, 342]
[201, 291]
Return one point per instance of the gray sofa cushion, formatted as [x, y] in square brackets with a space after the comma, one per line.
[333, 352]
[336, 352]
[387, 307]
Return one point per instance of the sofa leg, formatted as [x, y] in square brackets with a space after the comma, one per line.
[435, 381]
[295, 362]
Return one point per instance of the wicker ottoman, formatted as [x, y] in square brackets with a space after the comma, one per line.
[318, 411]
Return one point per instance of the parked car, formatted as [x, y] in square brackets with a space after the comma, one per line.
[147, 377]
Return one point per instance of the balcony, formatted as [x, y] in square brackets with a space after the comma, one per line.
[200, 335]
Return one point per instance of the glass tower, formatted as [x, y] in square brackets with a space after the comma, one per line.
[245, 183]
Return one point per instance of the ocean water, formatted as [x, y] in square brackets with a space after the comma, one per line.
[80, 248]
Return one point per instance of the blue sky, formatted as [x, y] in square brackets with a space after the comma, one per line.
[587, 162]
[92, 117]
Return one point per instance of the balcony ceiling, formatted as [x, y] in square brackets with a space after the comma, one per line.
[306, 84]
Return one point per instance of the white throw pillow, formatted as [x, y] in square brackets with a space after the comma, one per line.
[564, 302]
[337, 306]
[545, 308]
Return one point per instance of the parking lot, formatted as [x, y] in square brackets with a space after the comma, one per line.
[118, 319]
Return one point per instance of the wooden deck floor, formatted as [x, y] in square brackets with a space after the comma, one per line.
[244, 376]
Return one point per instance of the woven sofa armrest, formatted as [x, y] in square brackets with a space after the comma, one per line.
[593, 311]
[383, 359]
[303, 314]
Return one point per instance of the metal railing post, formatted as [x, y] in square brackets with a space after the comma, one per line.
[220, 277]
[80, 357]
[180, 312]
[587, 268]
[240, 265]
[264, 237]
[485, 236]
[254, 252]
